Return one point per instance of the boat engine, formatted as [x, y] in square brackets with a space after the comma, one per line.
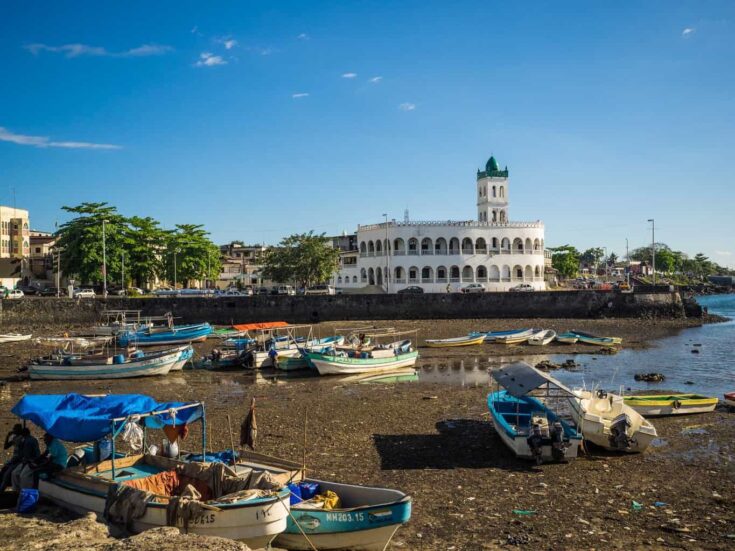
[619, 438]
[558, 445]
[535, 442]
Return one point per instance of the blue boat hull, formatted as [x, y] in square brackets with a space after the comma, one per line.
[177, 335]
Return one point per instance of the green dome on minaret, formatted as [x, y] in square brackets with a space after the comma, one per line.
[492, 165]
[492, 170]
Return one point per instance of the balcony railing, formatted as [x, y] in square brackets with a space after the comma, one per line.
[481, 279]
[468, 251]
[453, 224]
[453, 251]
[413, 280]
[427, 280]
[413, 252]
[504, 251]
[399, 253]
[481, 250]
[400, 280]
[441, 279]
[426, 251]
[440, 251]
[454, 279]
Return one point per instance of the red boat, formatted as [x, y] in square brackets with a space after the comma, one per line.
[730, 399]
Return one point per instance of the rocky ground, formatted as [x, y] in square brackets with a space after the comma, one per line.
[435, 442]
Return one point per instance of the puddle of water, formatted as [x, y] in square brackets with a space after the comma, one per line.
[659, 442]
[689, 431]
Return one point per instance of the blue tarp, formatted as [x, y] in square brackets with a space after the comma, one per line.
[78, 418]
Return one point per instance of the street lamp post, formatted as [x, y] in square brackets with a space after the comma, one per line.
[606, 262]
[653, 248]
[175, 251]
[122, 271]
[104, 261]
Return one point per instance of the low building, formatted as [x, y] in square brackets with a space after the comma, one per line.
[14, 233]
[241, 265]
[41, 261]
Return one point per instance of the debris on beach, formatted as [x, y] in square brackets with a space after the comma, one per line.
[650, 377]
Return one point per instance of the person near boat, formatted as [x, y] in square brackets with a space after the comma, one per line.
[51, 461]
[273, 355]
[13, 439]
[22, 476]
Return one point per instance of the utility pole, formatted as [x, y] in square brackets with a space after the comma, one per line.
[175, 251]
[58, 272]
[653, 247]
[104, 261]
[387, 256]
[122, 277]
[627, 259]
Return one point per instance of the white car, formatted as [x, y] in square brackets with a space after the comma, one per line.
[522, 288]
[473, 288]
[320, 290]
[285, 290]
[15, 294]
[84, 293]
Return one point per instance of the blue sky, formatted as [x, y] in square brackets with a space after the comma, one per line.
[260, 119]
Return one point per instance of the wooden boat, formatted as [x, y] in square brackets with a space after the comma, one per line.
[542, 338]
[607, 421]
[187, 353]
[670, 404]
[518, 337]
[525, 424]
[223, 359]
[67, 367]
[245, 507]
[490, 336]
[730, 399]
[567, 338]
[155, 336]
[468, 340]
[387, 358]
[366, 518]
[14, 337]
[588, 338]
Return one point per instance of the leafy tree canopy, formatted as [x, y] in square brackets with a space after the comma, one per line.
[305, 259]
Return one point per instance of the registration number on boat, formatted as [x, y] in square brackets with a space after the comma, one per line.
[204, 519]
[345, 517]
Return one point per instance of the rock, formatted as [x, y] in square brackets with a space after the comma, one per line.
[695, 351]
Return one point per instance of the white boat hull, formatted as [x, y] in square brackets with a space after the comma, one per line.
[256, 525]
[363, 540]
[663, 411]
[262, 359]
[157, 366]
[334, 368]
[519, 445]
[14, 337]
[542, 338]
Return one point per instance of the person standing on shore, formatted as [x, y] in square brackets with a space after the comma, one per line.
[14, 439]
[449, 288]
[22, 476]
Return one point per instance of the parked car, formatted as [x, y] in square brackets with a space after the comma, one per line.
[522, 288]
[320, 290]
[473, 288]
[49, 292]
[84, 293]
[411, 290]
[15, 294]
[28, 290]
[262, 291]
[134, 291]
[284, 290]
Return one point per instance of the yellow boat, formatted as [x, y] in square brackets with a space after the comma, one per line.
[469, 340]
[658, 405]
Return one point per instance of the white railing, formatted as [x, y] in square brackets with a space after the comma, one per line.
[468, 251]
[481, 279]
[441, 279]
[451, 223]
[413, 253]
[413, 280]
[454, 279]
[440, 251]
[426, 251]
[399, 253]
[427, 280]
[400, 280]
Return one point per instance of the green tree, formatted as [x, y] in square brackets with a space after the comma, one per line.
[643, 254]
[565, 260]
[592, 257]
[145, 246]
[665, 261]
[80, 240]
[190, 255]
[305, 259]
[612, 259]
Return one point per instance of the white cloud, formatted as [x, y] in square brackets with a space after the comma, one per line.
[43, 141]
[349, 75]
[227, 41]
[261, 51]
[79, 50]
[207, 59]
[300, 95]
[687, 32]
[407, 106]
[303, 36]
[375, 80]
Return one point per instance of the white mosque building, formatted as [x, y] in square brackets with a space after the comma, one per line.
[491, 250]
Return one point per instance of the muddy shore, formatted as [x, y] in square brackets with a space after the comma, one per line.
[436, 443]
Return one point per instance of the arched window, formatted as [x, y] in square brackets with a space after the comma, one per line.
[440, 246]
[529, 245]
[467, 247]
[399, 246]
[536, 244]
[441, 274]
[427, 275]
[494, 192]
[426, 246]
[494, 273]
[495, 216]
[339, 279]
[517, 272]
[371, 248]
[386, 246]
[495, 245]
[354, 278]
[505, 273]
[502, 217]
[505, 244]
[481, 246]
[413, 246]
[502, 191]
[517, 245]
[413, 274]
[378, 248]
[468, 274]
[379, 276]
[454, 273]
[399, 274]
[481, 274]
[528, 273]
[537, 272]
[363, 247]
[454, 246]
[371, 276]
[363, 275]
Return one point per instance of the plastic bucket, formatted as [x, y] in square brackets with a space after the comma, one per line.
[27, 501]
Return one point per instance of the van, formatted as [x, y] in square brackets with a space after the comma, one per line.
[320, 290]
[285, 290]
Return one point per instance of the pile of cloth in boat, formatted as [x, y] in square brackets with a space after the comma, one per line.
[186, 487]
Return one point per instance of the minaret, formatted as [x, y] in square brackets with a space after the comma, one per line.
[492, 193]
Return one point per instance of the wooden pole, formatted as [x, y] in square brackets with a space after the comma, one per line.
[232, 441]
[306, 420]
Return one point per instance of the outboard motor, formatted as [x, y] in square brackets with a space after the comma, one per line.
[535, 442]
[558, 446]
[619, 438]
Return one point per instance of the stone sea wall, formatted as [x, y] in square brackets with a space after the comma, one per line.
[311, 309]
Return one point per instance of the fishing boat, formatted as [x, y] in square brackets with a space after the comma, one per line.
[567, 338]
[588, 338]
[518, 337]
[187, 353]
[525, 423]
[607, 421]
[468, 340]
[542, 338]
[137, 364]
[659, 405]
[116, 321]
[490, 336]
[730, 399]
[386, 357]
[247, 506]
[73, 343]
[174, 334]
[223, 359]
[14, 337]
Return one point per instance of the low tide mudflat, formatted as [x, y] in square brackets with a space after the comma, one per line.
[436, 443]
